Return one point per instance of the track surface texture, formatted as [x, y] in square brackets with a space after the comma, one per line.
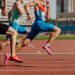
[38, 62]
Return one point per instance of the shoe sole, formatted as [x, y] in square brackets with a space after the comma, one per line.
[16, 61]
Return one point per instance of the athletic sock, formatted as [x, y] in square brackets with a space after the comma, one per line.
[48, 45]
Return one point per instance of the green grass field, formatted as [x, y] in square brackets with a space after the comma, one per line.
[61, 37]
[45, 37]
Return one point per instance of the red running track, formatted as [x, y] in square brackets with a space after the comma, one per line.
[62, 62]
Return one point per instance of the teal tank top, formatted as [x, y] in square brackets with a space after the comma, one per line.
[15, 16]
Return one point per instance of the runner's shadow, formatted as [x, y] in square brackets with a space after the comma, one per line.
[16, 66]
[1, 66]
[22, 65]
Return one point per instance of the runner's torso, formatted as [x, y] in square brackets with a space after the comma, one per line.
[15, 16]
[39, 13]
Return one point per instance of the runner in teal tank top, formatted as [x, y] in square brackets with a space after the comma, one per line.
[15, 18]
[14, 21]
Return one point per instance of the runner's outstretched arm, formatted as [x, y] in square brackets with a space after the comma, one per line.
[4, 10]
[47, 10]
[19, 8]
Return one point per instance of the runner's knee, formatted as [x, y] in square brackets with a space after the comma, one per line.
[57, 30]
[27, 41]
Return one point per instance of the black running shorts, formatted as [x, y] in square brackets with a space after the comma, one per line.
[3, 28]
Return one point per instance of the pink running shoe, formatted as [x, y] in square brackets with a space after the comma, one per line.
[47, 49]
[6, 59]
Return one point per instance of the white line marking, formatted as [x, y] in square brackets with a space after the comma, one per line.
[38, 52]
[34, 70]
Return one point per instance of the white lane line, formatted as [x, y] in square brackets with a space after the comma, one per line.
[38, 52]
[37, 70]
[41, 53]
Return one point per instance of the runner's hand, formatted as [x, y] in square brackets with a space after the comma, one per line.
[29, 17]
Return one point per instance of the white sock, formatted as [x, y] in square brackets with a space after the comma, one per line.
[48, 45]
